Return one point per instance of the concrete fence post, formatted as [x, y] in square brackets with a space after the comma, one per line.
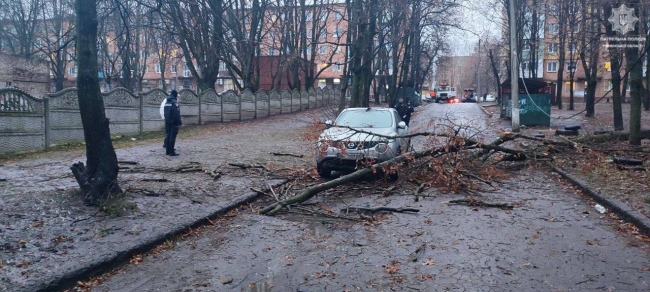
[46, 122]
[141, 113]
[255, 102]
[200, 107]
[220, 107]
[239, 105]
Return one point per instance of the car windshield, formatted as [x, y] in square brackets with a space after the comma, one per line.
[365, 119]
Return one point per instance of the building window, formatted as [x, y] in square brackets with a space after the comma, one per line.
[272, 35]
[573, 47]
[174, 69]
[186, 71]
[552, 48]
[338, 15]
[187, 83]
[338, 32]
[222, 66]
[571, 66]
[525, 47]
[569, 84]
[322, 49]
[323, 34]
[551, 67]
[309, 15]
[72, 70]
[336, 67]
[157, 68]
[272, 52]
[553, 28]
[608, 85]
[323, 16]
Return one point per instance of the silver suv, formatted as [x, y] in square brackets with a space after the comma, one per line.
[359, 136]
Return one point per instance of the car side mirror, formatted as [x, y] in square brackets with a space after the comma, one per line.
[329, 123]
[401, 125]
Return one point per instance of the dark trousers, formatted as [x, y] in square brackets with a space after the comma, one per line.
[170, 138]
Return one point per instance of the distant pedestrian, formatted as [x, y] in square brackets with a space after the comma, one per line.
[162, 117]
[409, 111]
[172, 122]
[404, 110]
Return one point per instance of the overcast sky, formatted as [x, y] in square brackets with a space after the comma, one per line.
[477, 18]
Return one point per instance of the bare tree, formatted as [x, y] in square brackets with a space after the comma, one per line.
[18, 34]
[615, 57]
[199, 29]
[55, 37]
[634, 64]
[98, 178]
[590, 49]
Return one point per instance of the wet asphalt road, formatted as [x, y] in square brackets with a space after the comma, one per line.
[553, 240]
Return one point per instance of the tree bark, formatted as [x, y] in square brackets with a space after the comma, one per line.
[99, 177]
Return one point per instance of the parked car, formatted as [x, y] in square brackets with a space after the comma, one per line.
[490, 98]
[470, 98]
[342, 148]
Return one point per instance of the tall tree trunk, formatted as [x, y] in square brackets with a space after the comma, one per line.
[495, 71]
[99, 178]
[615, 61]
[647, 76]
[634, 65]
[615, 58]
[626, 79]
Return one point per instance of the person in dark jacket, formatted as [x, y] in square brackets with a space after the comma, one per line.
[404, 110]
[172, 122]
[409, 111]
[400, 107]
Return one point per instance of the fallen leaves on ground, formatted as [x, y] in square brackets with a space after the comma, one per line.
[392, 268]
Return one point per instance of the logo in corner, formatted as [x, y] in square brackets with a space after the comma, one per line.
[623, 19]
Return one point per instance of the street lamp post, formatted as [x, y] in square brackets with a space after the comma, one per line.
[514, 68]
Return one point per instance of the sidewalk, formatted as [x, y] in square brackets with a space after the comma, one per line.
[624, 192]
[49, 239]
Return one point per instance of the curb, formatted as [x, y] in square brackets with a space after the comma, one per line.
[107, 263]
[617, 207]
[485, 111]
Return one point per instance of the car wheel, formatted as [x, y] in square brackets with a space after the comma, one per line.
[323, 171]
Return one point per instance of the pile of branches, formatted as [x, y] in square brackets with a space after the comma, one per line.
[448, 166]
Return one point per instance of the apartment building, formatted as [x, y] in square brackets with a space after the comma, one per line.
[25, 74]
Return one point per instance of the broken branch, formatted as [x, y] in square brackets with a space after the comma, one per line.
[287, 154]
[478, 203]
[379, 209]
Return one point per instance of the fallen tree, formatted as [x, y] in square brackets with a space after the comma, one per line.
[455, 144]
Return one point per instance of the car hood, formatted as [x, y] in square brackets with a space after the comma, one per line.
[345, 134]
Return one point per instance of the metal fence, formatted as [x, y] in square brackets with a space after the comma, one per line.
[31, 123]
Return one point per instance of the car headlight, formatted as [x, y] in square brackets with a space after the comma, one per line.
[381, 147]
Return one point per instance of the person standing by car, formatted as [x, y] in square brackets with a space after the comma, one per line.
[409, 111]
[172, 122]
[400, 107]
[404, 110]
